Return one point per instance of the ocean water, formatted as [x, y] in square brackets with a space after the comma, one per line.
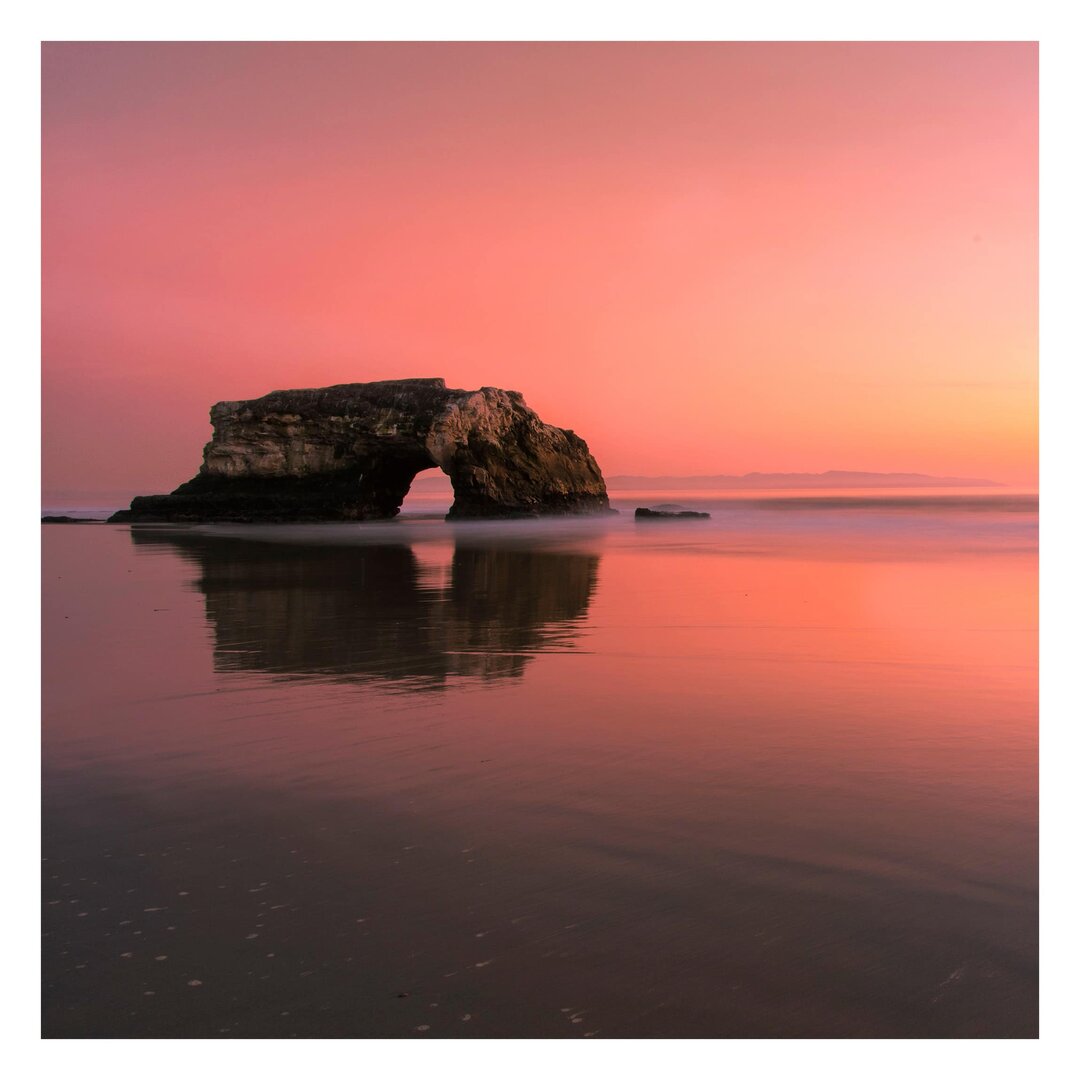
[768, 775]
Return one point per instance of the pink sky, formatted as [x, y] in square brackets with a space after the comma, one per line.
[702, 258]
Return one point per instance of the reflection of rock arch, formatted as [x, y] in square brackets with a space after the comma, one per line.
[350, 453]
[360, 612]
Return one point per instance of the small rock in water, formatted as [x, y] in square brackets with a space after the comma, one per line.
[643, 513]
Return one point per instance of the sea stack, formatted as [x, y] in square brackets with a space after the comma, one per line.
[350, 453]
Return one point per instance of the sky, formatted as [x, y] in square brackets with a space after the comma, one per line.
[703, 258]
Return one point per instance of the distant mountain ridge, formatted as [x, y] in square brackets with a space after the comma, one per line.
[834, 478]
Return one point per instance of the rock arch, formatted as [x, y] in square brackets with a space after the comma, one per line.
[351, 452]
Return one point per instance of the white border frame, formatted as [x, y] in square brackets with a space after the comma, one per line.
[562, 20]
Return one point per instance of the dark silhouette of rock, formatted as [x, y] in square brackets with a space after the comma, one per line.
[643, 513]
[372, 612]
[64, 519]
[350, 452]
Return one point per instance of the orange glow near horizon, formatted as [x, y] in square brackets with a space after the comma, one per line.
[703, 258]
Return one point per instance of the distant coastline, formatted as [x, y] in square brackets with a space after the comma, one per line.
[834, 478]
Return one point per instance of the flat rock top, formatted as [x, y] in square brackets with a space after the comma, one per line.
[415, 396]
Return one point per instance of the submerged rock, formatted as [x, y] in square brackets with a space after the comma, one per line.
[350, 452]
[643, 513]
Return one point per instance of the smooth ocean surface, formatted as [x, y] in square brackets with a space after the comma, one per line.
[769, 775]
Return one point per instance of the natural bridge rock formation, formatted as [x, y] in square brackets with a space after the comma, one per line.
[350, 452]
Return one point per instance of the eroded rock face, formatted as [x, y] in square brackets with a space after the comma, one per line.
[350, 452]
